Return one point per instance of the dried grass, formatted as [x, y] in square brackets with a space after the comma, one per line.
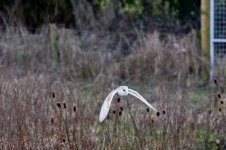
[45, 104]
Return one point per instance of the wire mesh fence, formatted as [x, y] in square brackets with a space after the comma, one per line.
[218, 32]
[219, 19]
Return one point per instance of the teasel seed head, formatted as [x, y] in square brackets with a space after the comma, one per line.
[114, 111]
[219, 95]
[164, 112]
[52, 120]
[58, 105]
[215, 81]
[158, 114]
[65, 105]
[53, 95]
[120, 113]
[74, 108]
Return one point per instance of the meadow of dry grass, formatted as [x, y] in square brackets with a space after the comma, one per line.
[50, 96]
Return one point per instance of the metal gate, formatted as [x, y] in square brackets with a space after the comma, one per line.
[217, 32]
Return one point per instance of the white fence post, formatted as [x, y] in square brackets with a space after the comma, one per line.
[211, 39]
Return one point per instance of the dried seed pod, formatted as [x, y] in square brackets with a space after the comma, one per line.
[114, 111]
[118, 100]
[148, 109]
[52, 120]
[120, 113]
[215, 81]
[220, 109]
[53, 95]
[158, 114]
[74, 108]
[152, 120]
[58, 105]
[222, 102]
[219, 95]
[164, 112]
[64, 140]
[121, 108]
[65, 105]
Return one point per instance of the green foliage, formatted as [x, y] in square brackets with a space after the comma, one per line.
[102, 4]
[207, 139]
[183, 10]
[133, 7]
[35, 13]
[143, 10]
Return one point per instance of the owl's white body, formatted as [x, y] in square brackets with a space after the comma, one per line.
[121, 91]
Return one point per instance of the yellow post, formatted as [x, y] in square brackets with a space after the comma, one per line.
[54, 42]
[205, 32]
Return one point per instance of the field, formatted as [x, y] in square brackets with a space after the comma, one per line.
[54, 82]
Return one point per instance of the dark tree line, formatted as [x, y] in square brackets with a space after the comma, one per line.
[100, 14]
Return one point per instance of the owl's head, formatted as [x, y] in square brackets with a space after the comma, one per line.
[122, 90]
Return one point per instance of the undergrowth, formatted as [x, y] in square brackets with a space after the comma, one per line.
[49, 103]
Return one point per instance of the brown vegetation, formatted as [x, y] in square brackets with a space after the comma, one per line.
[49, 103]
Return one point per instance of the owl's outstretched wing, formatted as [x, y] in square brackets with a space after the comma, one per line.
[137, 95]
[106, 105]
